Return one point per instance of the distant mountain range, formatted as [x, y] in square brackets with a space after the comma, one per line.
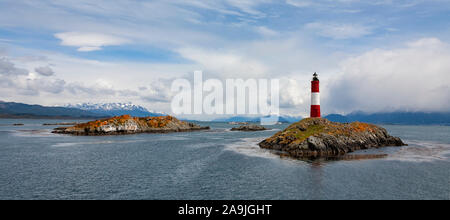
[20, 110]
[283, 119]
[401, 118]
[405, 118]
[116, 109]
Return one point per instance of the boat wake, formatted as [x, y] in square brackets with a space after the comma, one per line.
[420, 151]
[249, 147]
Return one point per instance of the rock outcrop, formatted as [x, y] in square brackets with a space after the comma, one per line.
[319, 137]
[249, 128]
[130, 125]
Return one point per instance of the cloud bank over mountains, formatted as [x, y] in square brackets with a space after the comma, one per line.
[412, 78]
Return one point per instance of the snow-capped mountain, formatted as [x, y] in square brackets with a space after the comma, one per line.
[115, 109]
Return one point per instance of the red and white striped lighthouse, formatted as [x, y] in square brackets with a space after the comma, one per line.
[315, 97]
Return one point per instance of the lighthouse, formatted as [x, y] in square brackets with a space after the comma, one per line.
[315, 97]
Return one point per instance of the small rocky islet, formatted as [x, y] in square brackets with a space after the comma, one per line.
[319, 137]
[250, 128]
[127, 124]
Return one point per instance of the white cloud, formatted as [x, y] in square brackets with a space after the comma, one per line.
[265, 31]
[294, 93]
[332, 4]
[300, 3]
[249, 6]
[88, 49]
[230, 7]
[37, 85]
[339, 31]
[18, 84]
[323, 3]
[158, 91]
[427, 43]
[225, 64]
[82, 80]
[21, 81]
[413, 78]
[89, 41]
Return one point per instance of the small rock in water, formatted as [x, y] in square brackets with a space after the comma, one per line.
[250, 128]
[238, 123]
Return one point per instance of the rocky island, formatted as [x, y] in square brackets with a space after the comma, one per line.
[249, 128]
[319, 137]
[130, 125]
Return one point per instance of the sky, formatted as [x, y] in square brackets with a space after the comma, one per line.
[371, 56]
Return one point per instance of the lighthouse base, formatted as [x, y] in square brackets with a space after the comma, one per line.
[315, 111]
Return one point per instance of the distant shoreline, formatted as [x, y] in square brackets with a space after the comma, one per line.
[48, 117]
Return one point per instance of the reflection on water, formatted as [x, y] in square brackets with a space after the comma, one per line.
[317, 161]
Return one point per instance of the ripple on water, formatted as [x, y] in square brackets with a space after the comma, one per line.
[70, 144]
[34, 133]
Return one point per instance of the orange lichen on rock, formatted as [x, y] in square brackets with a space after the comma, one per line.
[362, 127]
[99, 123]
[158, 122]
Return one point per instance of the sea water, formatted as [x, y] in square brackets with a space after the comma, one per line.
[214, 164]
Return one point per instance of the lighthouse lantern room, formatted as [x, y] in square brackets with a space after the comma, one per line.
[315, 97]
